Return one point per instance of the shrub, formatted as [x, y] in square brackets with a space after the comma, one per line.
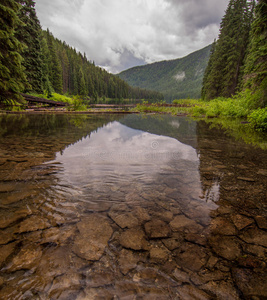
[258, 119]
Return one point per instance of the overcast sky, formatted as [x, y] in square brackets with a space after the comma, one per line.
[119, 34]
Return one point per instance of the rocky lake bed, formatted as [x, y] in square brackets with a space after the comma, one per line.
[103, 210]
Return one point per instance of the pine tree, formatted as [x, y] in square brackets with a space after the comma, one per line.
[55, 70]
[12, 77]
[255, 71]
[228, 56]
[29, 34]
[81, 84]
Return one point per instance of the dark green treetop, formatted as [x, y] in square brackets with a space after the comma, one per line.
[12, 77]
[227, 59]
[255, 71]
[29, 34]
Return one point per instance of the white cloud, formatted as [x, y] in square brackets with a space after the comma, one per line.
[147, 30]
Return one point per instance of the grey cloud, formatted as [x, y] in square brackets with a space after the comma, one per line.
[120, 34]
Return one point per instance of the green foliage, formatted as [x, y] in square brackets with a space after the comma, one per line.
[12, 77]
[255, 70]
[222, 76]
[258, 119]
[77, 104]
[28, 33]
[239, 130]
[181, 78]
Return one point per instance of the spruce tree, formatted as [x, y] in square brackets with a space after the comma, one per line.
[228, 56]
[55, 70]
[12, 77]
[255, 71]
[29, 34]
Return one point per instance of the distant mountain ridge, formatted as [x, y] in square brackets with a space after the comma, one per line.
[176, 79]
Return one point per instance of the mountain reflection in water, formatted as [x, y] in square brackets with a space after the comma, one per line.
[133, 207]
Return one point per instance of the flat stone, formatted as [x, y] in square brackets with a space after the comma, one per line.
[196, 238]
[149, 276]
[94, 234]
[261, 222]
[99, 278]
[27, 258]
[226, 247]
[8, 218]
[240, 221]
[221, 290]
[191, 292]
[33, 223]
[7, 187]
[251, 284]
[180, 222]
[128, 260]
[18, 196]
[158, 254]
[223, 226]
[6, 236]
[255, 250]
[157, 229]
[55, 261]
[255, 236]
[58, 235]
[142, 214]
[163, 215]
[206, 276]
[124, 220]
[6, 251]
[95, 293]
[173, 243]
[181, 276]
[66, 286]
[134, 238]
[212, 261]
[190, 256]
[97, 206]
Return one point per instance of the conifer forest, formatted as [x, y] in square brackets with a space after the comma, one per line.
[33, 60]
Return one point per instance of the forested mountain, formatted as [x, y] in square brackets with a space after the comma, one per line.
[32, 60]
[239, 56]
[175, 79]
[69, 71]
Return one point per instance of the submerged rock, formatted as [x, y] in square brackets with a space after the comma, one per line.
[94, 234]
[157, 229]
[158, 254]
[27, 258]
[124, 219]
[181, 222]
[241, 222]
[251, 283]
[255, 236]
[134, 238]
[128, 260]
[226, 247]
[33, 223]
[6, 251]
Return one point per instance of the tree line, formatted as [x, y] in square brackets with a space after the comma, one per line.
[34, 61]
[238, 59]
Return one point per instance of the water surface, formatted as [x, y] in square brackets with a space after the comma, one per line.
[129, 207]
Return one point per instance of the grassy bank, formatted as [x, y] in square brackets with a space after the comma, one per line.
[244, 106]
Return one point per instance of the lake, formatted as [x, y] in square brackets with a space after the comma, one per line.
[129, 207]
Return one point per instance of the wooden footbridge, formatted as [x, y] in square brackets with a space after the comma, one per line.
[32, 100]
